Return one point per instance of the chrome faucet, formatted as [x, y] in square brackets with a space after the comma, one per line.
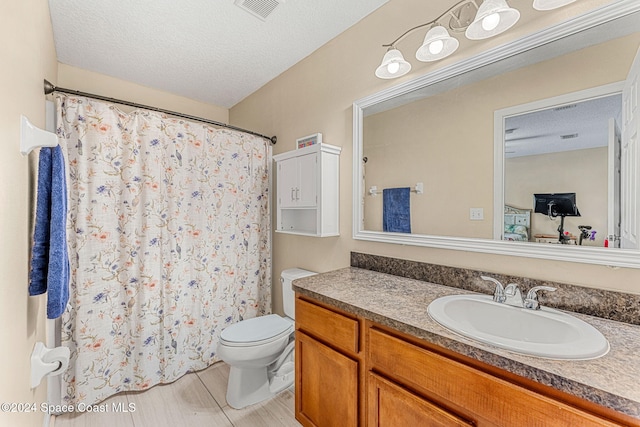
[498, 294]
[531, 301]
[512, 295]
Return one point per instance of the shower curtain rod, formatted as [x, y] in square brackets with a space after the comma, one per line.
[50, 88]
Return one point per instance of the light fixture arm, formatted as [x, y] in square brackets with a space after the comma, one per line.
[406, 33]
[431, 23]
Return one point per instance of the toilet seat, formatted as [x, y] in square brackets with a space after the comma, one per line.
[256, 331]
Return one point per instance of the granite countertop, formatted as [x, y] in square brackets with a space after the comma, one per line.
[401, 303]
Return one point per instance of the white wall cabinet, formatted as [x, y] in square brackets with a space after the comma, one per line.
[297, 181]
[307, 191]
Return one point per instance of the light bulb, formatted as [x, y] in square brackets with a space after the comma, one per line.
[393, 67]
[436, 47]
[490, 22]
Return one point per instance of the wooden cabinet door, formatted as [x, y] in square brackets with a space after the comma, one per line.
[326, 385]
[391, 406]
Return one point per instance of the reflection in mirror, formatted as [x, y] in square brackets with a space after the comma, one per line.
[563, 148]
[439, 130]
[450, 134]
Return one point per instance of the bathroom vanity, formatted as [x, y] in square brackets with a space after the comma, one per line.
[367, 353]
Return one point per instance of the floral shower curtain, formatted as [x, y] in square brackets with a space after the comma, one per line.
[169, 243]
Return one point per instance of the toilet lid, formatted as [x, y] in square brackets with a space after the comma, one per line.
[258, 330]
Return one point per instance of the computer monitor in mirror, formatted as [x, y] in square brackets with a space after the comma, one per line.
[557, 205]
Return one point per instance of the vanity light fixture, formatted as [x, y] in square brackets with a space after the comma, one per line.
[550, 4]
[437, 44]
[479, 19]
[393, 65]
[494, 17]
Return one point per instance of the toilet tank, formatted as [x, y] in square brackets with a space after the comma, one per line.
[288, 295]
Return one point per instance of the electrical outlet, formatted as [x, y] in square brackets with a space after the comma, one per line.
[476, 214]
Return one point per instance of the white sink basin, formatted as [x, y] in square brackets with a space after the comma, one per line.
[544, 333]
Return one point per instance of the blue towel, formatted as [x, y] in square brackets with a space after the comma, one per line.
[396, 210]
[49, 256]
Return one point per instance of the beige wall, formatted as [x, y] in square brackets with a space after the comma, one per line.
[28, 56]
[87, 81]
[583, 172]
[446, 142]
[316, 95]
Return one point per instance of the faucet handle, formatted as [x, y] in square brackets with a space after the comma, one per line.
[498, 294]
[531, 301]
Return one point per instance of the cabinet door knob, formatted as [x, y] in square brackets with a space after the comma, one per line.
[297, 193]
[292, 190]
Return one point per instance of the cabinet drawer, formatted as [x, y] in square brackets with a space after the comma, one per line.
[336, 329]
[493, 400]
[390, 405]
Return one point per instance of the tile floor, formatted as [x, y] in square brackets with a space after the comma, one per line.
[196, 399]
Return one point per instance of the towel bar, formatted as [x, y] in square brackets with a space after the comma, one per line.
[33, 137]
[418, 189]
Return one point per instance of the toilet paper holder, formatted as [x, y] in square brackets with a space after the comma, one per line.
[47, 362]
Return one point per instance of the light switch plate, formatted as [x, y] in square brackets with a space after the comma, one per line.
[476, 214]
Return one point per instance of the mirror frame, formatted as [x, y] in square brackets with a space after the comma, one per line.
[589, 255]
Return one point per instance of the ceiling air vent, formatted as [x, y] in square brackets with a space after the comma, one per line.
[565, 107]
[259, 8]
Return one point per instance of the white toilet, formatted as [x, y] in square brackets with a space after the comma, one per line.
[260, 350]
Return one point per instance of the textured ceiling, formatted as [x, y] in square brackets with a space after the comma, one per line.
[570, 127]
[208, 50]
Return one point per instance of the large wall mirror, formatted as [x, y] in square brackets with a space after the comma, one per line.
[472, 144]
